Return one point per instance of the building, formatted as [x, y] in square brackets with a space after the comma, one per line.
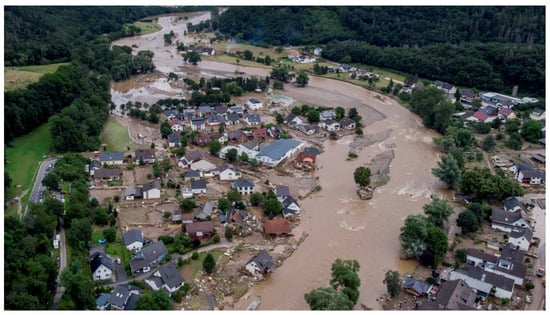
[174, 140]
[416, 287]
[537, 114]
[260, 264]
[198, 124]
[189, 158]
[152, 190]
[512, 204]
[228, 172]
[499, 100]
[107, 174]
[198, 187]
[327, 114]
[291, 208]
[253, 119]
[101, 266]
[205, 212]
[521, 238]
[133, 192]
[243, 186]
[199, 230]
[254, 104]
[453, 295]
[505, 221]
[111, 158]
[133, 240]
[446, 87]
[145, 155]
[148, 256]
[277, 226]
[347, 123]
[485, 282]
[166, 277]
[509, 264]
[124, 297]
[277, 151]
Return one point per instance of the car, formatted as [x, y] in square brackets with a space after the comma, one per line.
[146, 269]
[540, 272]
[118, 261]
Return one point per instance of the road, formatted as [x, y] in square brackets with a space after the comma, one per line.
[42, 171]
[63, 265]
[539, 215]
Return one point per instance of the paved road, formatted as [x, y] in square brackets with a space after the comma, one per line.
[42, 171]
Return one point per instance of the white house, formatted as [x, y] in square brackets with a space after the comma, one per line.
[151, 190]
[186, 192]
[202, 166]
[484, 282]
[198, 187]
[133, 240]
[260, 264]
[327, 114]
[521, 238]
[537, 114]
[243, 186]
[254, 104]
[509, 264]
[166, 277]
[506, 221]
[531, 176]
[290, 207]
[111, 158]
[277, 151]
[331, 125]
[228, 172]
[101, 266]
[253, 119]
[177, 128]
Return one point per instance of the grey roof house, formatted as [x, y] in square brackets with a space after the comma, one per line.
[260, 264]
[166, 277]
[244, 186]
[124, 297]
[148, 256]
[133, 240]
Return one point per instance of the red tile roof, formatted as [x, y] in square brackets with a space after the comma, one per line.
[277, 226]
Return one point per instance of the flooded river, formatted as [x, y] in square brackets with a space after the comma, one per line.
[337, 223]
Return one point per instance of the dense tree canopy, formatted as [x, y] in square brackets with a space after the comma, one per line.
[154, 300]
[361, 176]
[438, 211]
[447, 171]
[393, 283]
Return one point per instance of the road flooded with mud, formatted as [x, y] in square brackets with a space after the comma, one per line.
[337, 222]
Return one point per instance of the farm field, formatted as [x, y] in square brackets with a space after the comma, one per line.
[20, 77]
[115, 137]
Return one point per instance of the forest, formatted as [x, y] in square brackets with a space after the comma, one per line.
[490, 48]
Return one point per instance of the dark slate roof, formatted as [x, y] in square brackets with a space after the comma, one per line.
[133, 190]
[121, 295]
[281, 191]
[416, 285]
[489, 110]
[236, 109]
[346, 121]
[132, 236]
[205, 109]
[452, 295]
[253, 118]
[107, 172]
[98, 259]
[487, 277]
[198, 184]
[197, 121]
[278, 148]
[233, 117]
[148, 255]
[241, 183]
[103, 300]
[189, 174]
[510, 252]
[506, 217]
[511, 203]
[170, 275]
[220, 109]
[174, 137]
[264, 261]
[111, 156]
[539, 111]
[311, 150]
[254, 101]
[151, 185]
[523, 166]
[288, 201]
[481, 255]
[193, 155]
[131, 303]
[522, 232]
[206, 211]
[444, 85]
[532, 173]
[216, 118]
[145, 154]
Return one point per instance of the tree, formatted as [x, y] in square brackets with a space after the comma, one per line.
[272, 207]
[413, 235]
[231, 155]
[361, 175]
[313, 116]
[515, 141]
[228, 233]
[302, 78]
[488, 143]
[248, 55]
[209, 263]
[256, 199]
[244, 157]
[437, 243]
[531, 131]
[51, 181]
[78, 286]
[109, 234]
[448, 171]
[223, 205]
[346, 279]
[352, 113]
[279, 118]
[187, 205]
[468, 221]
[438, 211]
[192, 57]
[328, 299]
[393, 283]
[214, 147]
[81, 232]
[340, 113]
[154, 300]
[281, 73]
[234, 195]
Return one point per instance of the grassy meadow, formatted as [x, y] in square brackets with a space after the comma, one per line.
[115, 136]
[20, 77]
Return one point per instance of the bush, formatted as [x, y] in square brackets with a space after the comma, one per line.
[166, 239]
[180, 262]
[216, 238]
[529, 285]
[505, 301]
[229, 233]
[195, 256]
[431, 280]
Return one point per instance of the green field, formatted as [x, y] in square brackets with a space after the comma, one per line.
[190, 271]
[147, 27]
[20, 77]
[116, 137]
[23, 160]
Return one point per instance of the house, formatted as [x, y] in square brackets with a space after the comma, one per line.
[347, 123]
[250, 145]
[509, 264]
[478, 117]
[205, 111]
[293, 119]
[103, 302]
[505, 221]
[198, 124]
[198, 186]
[218, 136]
[277, 226]
[327, 114]
[418, 85]
[485, 282]
[254, 104]
[192, 175]
[176, 127]
[453, 295]
[233, 215]
[290, 207]
[274, 132]
[199, 230]
[203, 166]
[446, 87]
[189, 113]
[233, 118]
[260, 264]
[189, 158]
[133, 240]
[312, 150]
[277, 151]
[151, 190]
[243, 186]
[331, 125]
[228, 172]
[145, 155]
[499, 100]
[201, 139]
[416, 287]
[259, 133]
[307, 129]
[216, 120]
[539, 158]
[166, 277]
[111, 158]
[512, 204]
[533, 176]
[281, 192]
[107, 174]
[204, 51]
[174, 139]
[317, 51]
[521, 238]
[237, 136]
[239, 110]
[93, 166]
[124, 297]
[101, 266]
[490, 111]
[516, 168]
[537, 114]
[172, 114]
[133, 192]
[148, 256]
[506, 114]
[306, 158]
[220, 110]
[467, 96]
[176, 216]
[253, 119]
[205, 212]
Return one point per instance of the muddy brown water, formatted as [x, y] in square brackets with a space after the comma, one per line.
[338, 223]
